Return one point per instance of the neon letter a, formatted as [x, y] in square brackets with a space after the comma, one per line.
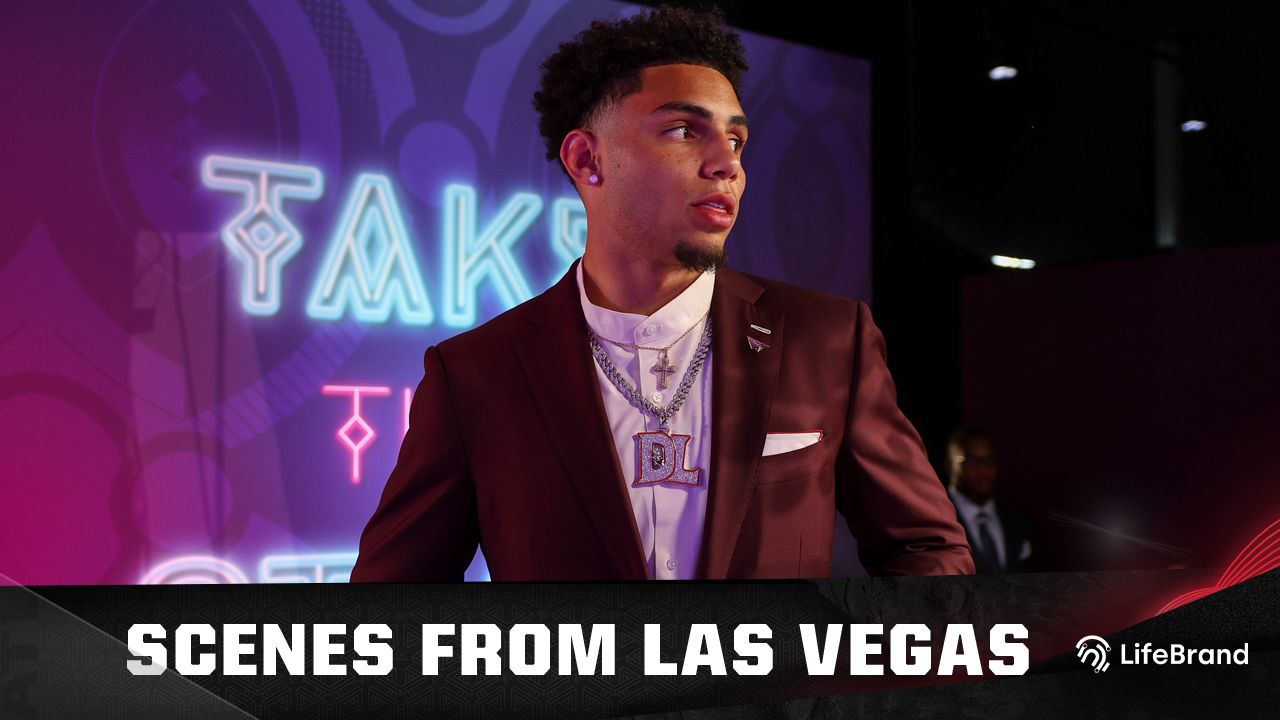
[370, 266]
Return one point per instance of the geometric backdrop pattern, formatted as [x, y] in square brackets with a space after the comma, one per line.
[233, 228]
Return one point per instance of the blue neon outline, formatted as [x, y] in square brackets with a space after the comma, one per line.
[348, 277]
[568, 226]
[467, 259]
[294, 561]
[308, 184]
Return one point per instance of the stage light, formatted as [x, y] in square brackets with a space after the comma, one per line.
[1005, 261]
[1194, 126]
[1002, 72]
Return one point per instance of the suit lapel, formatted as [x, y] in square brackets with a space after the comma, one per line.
[742, 390]
[561, 377]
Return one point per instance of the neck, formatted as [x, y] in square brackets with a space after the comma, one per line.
[977, 499]
[633, 285]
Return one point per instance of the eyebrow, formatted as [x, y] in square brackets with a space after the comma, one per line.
[700, 111]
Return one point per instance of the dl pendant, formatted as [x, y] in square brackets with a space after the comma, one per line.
[661, 459]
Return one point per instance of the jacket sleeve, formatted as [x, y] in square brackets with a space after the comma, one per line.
[886, 489]
[425, 527]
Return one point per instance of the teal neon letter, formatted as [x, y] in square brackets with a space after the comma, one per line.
[568, 229]
[468, 259]
[370, 265]
[261, 236]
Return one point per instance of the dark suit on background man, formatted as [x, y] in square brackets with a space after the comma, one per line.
[509, 447]
[998, 534]
[1013, 537]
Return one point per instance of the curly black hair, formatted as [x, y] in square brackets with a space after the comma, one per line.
[602, 64]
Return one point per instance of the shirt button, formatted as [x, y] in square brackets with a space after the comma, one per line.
[656, 397]
[672, 564]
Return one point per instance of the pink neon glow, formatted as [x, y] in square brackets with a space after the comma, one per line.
[367, 434]
[1261, 555]
[408, 398]
[195, 570]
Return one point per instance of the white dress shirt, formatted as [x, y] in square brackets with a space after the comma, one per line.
[668, 516]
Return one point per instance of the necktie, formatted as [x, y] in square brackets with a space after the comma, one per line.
[989, 557]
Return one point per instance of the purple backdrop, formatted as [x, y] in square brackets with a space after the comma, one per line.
[231, 229]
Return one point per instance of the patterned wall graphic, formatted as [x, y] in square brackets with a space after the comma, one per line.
[231, 229]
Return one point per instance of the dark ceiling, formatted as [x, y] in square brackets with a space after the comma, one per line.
[1059, 163]
[1056, 165]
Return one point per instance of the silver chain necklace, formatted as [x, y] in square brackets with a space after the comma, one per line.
[620, 381]
[663, 368]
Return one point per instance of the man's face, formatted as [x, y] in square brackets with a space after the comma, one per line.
[667, 154]
[974, 468]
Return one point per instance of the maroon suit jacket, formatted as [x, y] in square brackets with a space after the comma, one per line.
[509, 447]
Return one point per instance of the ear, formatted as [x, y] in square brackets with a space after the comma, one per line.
[578, 153]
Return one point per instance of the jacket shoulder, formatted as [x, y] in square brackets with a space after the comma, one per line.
[790, 298]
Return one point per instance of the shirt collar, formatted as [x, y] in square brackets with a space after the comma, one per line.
[659, 329]
[968, 508]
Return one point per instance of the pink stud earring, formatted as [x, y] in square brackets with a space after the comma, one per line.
[594, 179]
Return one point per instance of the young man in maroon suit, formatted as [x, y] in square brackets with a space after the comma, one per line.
[656, 414]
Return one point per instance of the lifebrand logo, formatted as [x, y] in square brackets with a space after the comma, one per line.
[1093, 651]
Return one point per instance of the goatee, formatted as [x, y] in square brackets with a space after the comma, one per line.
[700, 259]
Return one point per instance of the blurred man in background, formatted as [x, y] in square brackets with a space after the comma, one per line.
[998, 535]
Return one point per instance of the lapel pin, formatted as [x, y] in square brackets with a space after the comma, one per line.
[755, 344]
[764, 330]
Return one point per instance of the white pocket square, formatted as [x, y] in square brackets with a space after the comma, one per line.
[781, 442]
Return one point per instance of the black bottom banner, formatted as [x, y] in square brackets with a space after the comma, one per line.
[1114, 644]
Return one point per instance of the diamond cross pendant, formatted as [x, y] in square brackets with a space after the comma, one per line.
[663, 370]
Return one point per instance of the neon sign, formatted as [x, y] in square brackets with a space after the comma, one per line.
[370, 271]
[364, 431]
[261, 236]
[195, 570]
[310, 568]
[468, 259]
[370, 267]
[357, 432]
[568, 229]
[324, 567]
[206, 569]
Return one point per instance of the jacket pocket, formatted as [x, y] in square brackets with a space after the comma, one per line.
[795, 464]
